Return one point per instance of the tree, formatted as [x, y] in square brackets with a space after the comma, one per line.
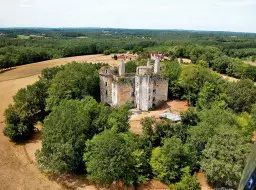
[147, 128]
[211, 95]
[220, 64]
[241, 95]
[253, 58]
[203, 63]
[17, 129]
[250, 73]
[193, 78]
[118, 120]
[187, 182]
[49, 73]
[210, 120]
[224, 157]
[75, 81]
[115, 57]
[190, 117]
[66, 129]
[168, 160]
[28, 108]
[172, 71]
[130, 67]
[113, 156]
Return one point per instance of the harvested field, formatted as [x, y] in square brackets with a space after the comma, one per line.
[36, 68]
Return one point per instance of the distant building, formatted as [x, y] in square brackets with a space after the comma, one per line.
[145, 89]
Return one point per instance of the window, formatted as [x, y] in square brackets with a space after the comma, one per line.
[132, 94]
[154, 99]
[106, 71]
[149, 98]
[106, 83]
[154, 91]
[154, 82]
[106, 92]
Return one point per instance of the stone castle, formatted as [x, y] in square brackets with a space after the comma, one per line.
[145, 90]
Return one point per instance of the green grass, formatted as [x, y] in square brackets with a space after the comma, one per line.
[158, 48]
[23, 37]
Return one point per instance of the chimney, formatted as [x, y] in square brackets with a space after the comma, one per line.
[122, 68]
[157, 65]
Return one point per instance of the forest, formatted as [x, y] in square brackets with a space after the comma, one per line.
[24, 46]
[83, 136]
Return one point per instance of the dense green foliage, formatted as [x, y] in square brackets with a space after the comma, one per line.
[80, 80]
[28, 108]
[168, 160]
[187, 182]
[67, 128]
[113, 156]
[227, 145]
[172, 71]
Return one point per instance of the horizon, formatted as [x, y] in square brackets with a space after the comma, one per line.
[112, 28]
[199, 15]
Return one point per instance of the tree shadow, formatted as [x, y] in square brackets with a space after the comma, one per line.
[8, 69]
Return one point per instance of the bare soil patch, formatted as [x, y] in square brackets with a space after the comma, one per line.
[231, 79]
[201, 179]
[174, 106]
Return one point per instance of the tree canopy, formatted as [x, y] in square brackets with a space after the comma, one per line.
[75, 81]
[112, 156]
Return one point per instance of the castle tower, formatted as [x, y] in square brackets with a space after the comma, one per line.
[122, 68]
[148, 63]
[157, 65]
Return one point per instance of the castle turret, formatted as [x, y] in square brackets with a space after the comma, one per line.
[122, 68]
[148, 63]
[157, 65]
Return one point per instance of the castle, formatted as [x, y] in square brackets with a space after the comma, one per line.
[145, 90]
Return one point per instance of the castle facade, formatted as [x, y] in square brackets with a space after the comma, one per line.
[145, 89]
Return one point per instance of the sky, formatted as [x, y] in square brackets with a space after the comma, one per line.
[217, 15]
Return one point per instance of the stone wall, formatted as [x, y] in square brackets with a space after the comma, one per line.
[106, 88]
[143, 92]
[160, 91]
[123, 90]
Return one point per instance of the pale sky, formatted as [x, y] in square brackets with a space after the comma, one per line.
[224, 15]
